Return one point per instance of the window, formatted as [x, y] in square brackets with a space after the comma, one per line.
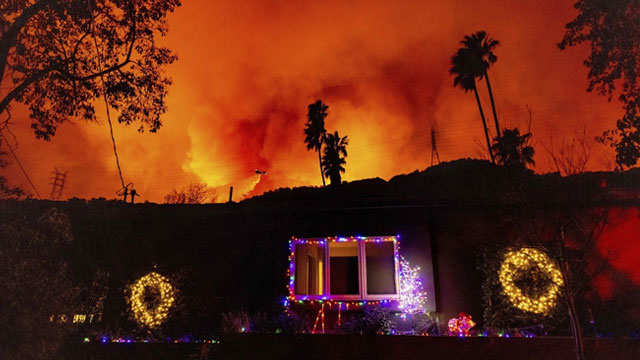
[353, 268]
[344, 268]
[381, 274]
[309, 269]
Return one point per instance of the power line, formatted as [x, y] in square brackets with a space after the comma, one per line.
[104, 95]
[19, 164]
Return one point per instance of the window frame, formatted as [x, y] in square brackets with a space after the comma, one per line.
[362, 269]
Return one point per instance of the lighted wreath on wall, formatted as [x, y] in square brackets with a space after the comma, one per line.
[152, 296]
[531, 280]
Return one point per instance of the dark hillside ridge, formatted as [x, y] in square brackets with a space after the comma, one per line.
[464, 182]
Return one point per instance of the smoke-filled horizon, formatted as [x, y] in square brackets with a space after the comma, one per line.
[247, 71]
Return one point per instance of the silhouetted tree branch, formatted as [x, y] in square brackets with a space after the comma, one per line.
[193, 194]
[611, 30]
[54, 56]
[570, 157]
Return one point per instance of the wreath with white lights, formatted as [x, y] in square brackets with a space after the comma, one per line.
[541, 276]
[151, 298]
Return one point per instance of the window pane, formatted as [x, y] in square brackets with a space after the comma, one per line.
[309, 268]
[381, 269]
[345, 277]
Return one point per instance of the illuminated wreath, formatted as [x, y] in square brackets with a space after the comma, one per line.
[151, 298]
[528, 259]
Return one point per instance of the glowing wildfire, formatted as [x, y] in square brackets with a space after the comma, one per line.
[247, 71]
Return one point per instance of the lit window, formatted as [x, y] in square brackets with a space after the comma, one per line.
[381, 265]
[309, 260]
[354, 268]
[344, 268]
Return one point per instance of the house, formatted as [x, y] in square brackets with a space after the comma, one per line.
[345, 249]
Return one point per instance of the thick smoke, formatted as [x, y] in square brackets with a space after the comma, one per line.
[247, 71]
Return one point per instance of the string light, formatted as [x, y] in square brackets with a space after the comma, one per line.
[143, 312]
[412, 297]
[461, 325]
[131, 340]
[326, 302]
[516, 261]
[319, 299]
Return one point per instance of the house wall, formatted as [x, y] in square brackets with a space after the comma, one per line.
[230, 257]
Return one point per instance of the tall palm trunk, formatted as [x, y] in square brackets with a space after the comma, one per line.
[484, 124]
[493, 105]
[320, 162]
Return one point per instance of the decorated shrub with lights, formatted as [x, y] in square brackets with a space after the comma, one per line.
[530, 279]
[461, 325]
[522, 291]
[412, 296]
[151, 298]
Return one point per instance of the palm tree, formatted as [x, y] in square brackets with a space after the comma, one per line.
[481, 46]
[333, 160]
[314, 133]
[512, 149]
[464, 66]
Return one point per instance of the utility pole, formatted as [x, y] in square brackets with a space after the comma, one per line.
[125, 191]
[133, 194]
[434, 147]
[57, 185]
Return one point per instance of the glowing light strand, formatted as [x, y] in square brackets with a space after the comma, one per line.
[143, 314]
[461, 325]
[313, 299]
[412, 296]
[523, 259]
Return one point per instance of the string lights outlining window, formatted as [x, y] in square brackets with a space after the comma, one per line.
[529, 259]
[152, 296]
[322, 290]
[386, 278]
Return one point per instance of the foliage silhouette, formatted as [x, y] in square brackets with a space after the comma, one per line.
[464, 66]
[611, 29]
[193, 194]
[333, 159]
[35, 286]
[314, 132]
[62, 55]
[481, 47]
[7, 191]
[512, 149]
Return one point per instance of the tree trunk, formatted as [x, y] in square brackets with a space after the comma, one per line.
[9, 37]
[576, 328]
[484, 124]
[493, 105]
[336, 179]
[321, 173]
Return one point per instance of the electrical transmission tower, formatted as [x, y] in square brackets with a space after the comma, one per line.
[434, 147]
[57, 184]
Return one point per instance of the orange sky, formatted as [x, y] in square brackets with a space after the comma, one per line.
[247, 71]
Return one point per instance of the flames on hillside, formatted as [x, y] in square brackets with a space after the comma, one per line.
[247, 71]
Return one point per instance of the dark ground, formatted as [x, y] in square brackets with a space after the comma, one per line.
[285, 347]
